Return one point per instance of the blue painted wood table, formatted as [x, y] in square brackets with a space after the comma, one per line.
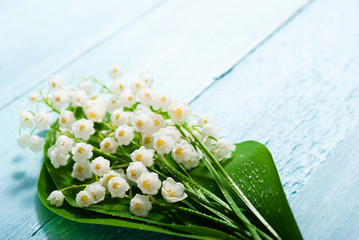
[285, 73]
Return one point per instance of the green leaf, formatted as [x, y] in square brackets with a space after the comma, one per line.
[252, 168]
[115, 211]
[111, 210]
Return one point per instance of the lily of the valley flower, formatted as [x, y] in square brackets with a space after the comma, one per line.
[173, 191]
[124, 135]
[118, 187]
[109, 145]
[66, 119]
[26, 119]
[83, 128]
[100, 166]
[33, 97]
[84, 199]
[115, 71]
[55, 82]
[135, 170]
[43, 120]
[149, 183]
[81, 171]
[57, 158]
[64, 144]
[56, 198]
[82, 152]
[140, 205]
[179, 111]
[98, 192]
[143, 155]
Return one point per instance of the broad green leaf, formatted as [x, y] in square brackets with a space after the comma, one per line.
[160, 220]
[253, 170]
[109, 216]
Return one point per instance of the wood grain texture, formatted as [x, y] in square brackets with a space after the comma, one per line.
[327, 206]
[186, 46]
[299, 94]
[179, 50]
[40, 37]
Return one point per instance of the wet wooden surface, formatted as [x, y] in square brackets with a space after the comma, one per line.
[284, 73]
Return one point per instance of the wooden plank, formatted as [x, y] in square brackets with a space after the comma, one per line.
[179, 50]
[298, 94]
[40, 37]
[327, 207]
[182, 52]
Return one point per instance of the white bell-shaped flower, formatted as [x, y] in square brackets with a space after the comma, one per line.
[96, 111]
[98, 192]
[109, 145]
[162, 101]
[80, 98]
[210, 130]
[204, 119]
[163, 143]
[66, 119]
[135, 170]
[23, 141]
[82, 152]
[36, 143]
[55, 82]
[26, 119]
[100, 166]
[158, 122]
[179, 111]
[127, 99]
[43, 120]
[115, 71]
[137, 85]
[145, 96]
[142, 122]
[140, 205]
[113, 103]
[173, 191]
[56, 198]
[124, 135]
[33, 97]
[149, 183]
[60, 99]
[64, 144]
[119, 117]
[83, 128]
[56, 157]
[143, 155]
[84, 199]
[192, 162]
[147, 78]
[81, 171]
[118, 86]
[224, 149]
[182, 151]
[147, 140]
[87, 86]
[107, 177]
[118, 187]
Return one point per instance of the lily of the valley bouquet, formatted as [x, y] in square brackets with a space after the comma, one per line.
[132, 157]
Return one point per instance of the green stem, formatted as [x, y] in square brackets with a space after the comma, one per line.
[232, 183]
[174, 208]
[73, 186]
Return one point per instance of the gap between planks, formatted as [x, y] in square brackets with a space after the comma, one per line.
[261, 43]
[91, 48]
[215, 79]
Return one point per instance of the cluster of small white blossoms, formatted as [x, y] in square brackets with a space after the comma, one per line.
[153, 119]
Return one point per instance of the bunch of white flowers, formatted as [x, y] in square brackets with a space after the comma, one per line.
[116, 145]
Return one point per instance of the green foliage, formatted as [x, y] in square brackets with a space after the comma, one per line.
[251, 167]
